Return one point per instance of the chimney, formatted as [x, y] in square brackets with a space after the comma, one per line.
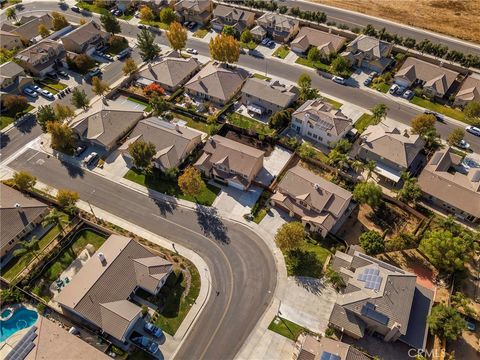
[102, 259]
[405, 133]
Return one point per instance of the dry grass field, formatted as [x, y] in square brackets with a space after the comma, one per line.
[458, 18]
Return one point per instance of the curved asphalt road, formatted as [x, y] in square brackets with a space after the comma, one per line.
[241, 265]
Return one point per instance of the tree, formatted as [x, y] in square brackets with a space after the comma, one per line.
[246, 36]
[280, 119]
[24, 180]
[15, 103]
[224, 48]
[82, 22]
[368, 193]
[401, 241]
[314, 54]
[432, 140]
[142, 153]
[290, 236]
[191, 182]
[339, 65]
[177, 36]
[472, 111]
[448, 253]
[379, 113]
[28, 247]
[304, 82]
[11, 14]
[228, 30]
[335, 279]
[167, 15]
[55, 218]
[410, 191]
[79, 98]
[45, 114]
[146, 14]
[81, 62]
[6, 55]
[306, 150]
[372, 242]
[149, 49]
[99, 87]
[58, 21]
[370, 166]
[62, 136]
[158, 104]
[67, 199]
[423, 123]
[446, 322]
[455, 136]
[63, 112]
[129, 67]
[110, 23]
[43, 31]
[153, 90]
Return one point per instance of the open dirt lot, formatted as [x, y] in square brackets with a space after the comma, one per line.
[452, 17]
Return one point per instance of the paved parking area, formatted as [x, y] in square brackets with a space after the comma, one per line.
[273, 165]
[274, 219]
[308, 303]
[235, 201]
[267, 51]
[124, 100]
[270, 346]
[352, 111]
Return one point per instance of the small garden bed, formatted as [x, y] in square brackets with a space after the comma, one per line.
[247, 123]
[157, 181]
[200, 33]
[250, 45]
[286, 328]
[363, 122]
[262, 77]
[281, 52]
[53, 84]
[439, 108]
[381, 86]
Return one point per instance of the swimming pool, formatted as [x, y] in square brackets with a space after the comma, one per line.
[22, 318]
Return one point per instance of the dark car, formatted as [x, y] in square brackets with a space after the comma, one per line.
[438, 117]
[63, 74]
[75, 9]
[123, 54]
[256, 54]
[95, 72]
[367, 81]
[145, 344]
[80, 149]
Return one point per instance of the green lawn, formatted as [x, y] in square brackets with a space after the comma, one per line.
[251, 124]
[148, 108]
[262, 77]
[382, 87]
[285, 328]
[250, 46]
[260, 215]
[158, 181]
[155, 23]
[306, 261]
[92, 7]
[191, 122]
[281, 52]
[7, 118]
[442, 109]
[335, 104]
[363, 122]
[16, 265]
[200, 33]
[55, 84]
[313, 64]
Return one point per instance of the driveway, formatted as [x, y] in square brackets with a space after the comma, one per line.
[235, 201]
[352, 111]
[274, 219]
[308, 302]
[273, 165]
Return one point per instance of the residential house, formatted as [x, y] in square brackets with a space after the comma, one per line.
[171, 72]
[13, 78]
[41, 57]
[320, 122]
[230, 162]
[85, 38]
[266, 98]
[105, 124]
[309, 347]
[446, 183]
[435, 80]
[380, 299]
[368, 52]
[216, 83]
[321, 205]
[28, 30]
[239, 19]
[173, 142]
[326, 43]
[19, 214]
[100, 292]
[199, 11]
[469, 91]
[279, 27]
[10, 40]
[124, 5]
[393, 150]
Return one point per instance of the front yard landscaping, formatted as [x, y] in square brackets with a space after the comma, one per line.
[286, 328]
[155, 23]
[53, 84]
[381, 86]
[92, 7]
[245, 122]
[313, 64]
[308, 260]
[200, 33]
[334, 103]
[281, 52]
[157, 181]
[439, 108]
[363, 122]
[6, 118]
[250, 45]
[262, 77]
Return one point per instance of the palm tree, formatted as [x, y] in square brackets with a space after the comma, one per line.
[379, 113]
[11, 14]
[358, 166]
[370, 166]
[28, 247]
[55, 218]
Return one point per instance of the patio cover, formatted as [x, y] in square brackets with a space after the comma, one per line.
[257, 109]
[387, 172]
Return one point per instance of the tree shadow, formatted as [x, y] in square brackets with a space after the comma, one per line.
[211, 224]
[170, 297]
[165, 206]
[313, 285]
[73, 170]
[304, 263]
[4, 140]
[26, 125]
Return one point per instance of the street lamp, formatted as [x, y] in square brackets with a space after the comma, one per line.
[88, 202]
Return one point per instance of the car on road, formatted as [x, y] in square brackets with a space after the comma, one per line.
[90, 159]
[408, 94]
[123, 54]
[438, 117]
[146, 344]
[75, 9]
[140, 26]
[191, 51]
[339, 80]
[393, 89]
[94, 72]
[30, 92]
[153, 330]
[46, 94]
[63, 74]
[473, 130]
[462, 144]
[367, 81]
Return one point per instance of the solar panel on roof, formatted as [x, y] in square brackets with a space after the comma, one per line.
[369, 311]
[329, 356]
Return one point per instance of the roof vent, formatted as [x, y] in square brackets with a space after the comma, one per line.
[17, 205]
[405, 133]
[316, 186]
[102, 259]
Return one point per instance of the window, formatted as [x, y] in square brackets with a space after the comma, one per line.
[309, 133]
[315, 136]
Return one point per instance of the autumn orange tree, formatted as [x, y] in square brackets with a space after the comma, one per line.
[177, 36]
[224, 48]
[191, 182]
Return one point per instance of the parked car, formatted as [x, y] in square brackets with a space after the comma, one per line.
[123, 54]
[471, 326]
[108, 57]
[438, 117]
[393, 89]
[35, 88]
[408, 94]
[90, 159]
[153, 330]
[191, 51]
[367, 81]
[473, 130]
[271, 44]
[146, 344]
[462, 144]
[137, 14]
[94, 72]
[140, 26]
[30, 92]
[75, 9]
[80, 149]
[255, 53]
[52, 74]
[62, 74]
[373, 75]
[339, 80]
[192, 25]
[400, 91]
[46, 94]
[265, 41]
[185, 24]
[242, 50]
[118, 12]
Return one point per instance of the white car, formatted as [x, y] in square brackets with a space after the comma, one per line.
[338, 80]
[462, 144]
[191, 51]
[394, 89]
[46, 94]
[30, 92]
[473, 130]
[90, 158]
